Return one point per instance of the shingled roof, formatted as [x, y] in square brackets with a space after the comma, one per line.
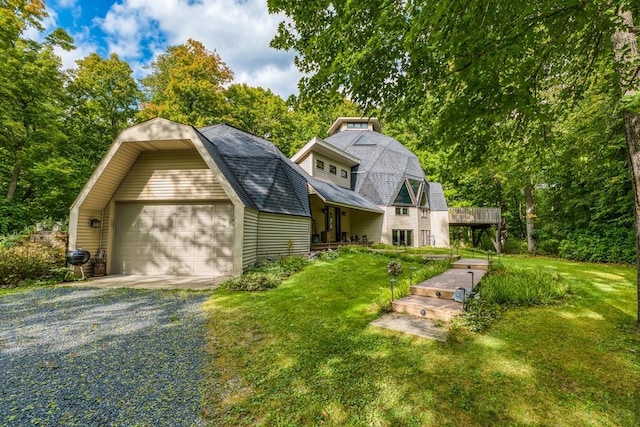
[384, 164]
[260, 174]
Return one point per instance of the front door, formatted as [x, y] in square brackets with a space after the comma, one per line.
[333, 224]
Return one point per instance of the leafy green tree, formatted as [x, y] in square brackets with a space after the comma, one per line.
[32, 102]
[104, 100]
[260, 112]
[186, 84]
[470, 64]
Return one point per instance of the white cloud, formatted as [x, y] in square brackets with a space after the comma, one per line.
[240, 31]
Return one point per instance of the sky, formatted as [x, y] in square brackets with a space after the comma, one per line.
[137, 30]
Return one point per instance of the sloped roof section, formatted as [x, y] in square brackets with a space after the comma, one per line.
[437, 201]
[342, 196]
[384, 163]
[262, 176]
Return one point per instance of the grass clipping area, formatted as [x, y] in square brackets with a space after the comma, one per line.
[304, 354]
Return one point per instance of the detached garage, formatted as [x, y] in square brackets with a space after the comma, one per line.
[169, 199]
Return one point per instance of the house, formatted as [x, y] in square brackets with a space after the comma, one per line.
[171, 199]
[380, 169]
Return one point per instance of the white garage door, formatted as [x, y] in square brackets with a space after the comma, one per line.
[176, 239]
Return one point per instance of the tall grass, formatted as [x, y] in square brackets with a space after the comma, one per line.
[514, 287]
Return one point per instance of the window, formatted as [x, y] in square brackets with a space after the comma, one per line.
[344, 174]
[426, 238]
[424, 200]
[403, 197]
[332, 169]
[424, 213]
[402, 211]
[402, 237]
[355, 125]
[320, 164]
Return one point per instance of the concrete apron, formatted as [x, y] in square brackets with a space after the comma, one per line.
[150, 282]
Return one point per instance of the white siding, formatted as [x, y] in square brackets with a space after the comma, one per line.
[440, 228]
[170, 175]
[368, 224]
[275, 231]
[307, 164]
[326, 175]
[250, 240]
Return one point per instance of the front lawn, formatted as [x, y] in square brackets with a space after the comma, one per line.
[304, 354]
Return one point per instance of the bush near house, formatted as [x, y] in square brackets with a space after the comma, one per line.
[267, 275]
[31, 257]
[30, 262]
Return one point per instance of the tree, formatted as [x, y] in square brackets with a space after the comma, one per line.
[470, 64]
[186, 84]
[260, 112]
[104, 100]
[32, 100]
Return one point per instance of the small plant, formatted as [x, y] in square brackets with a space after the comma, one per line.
[394, 268]
[266, 276]
[478, 316]
[328, 255]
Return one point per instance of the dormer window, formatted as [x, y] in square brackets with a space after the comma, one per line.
[357, 125]
[320, 164]
[332, 170]
[403, 197]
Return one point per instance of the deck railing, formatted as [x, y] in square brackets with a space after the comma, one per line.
[474, 216]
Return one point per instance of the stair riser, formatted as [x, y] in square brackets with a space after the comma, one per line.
[470, 267]
[426, 292]
[429, 313]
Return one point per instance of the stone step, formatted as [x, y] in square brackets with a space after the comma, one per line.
[425, 328]
[426, 307]
[443, 285]
[471, 264]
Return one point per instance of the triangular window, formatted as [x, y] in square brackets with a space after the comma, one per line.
[404, 196]
[415, 186]
[424, 200]
[362, 140]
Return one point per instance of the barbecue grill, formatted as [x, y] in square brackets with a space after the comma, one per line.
[78, 257]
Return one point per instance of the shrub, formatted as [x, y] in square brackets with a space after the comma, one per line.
[328, 255]
[394, 268]
[521, 287]
[30, 262]
[613, 246]
[478, 315]
[267, 275]
[505, 288]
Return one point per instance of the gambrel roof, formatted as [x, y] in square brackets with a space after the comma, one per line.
[261, 175]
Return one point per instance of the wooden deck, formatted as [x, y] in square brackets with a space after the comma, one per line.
[474, 216]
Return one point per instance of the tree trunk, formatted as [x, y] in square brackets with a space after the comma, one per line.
[632, 133]
[531, 216]
[13, 184]
[625, 48]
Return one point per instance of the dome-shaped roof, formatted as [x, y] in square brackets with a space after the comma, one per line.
[384, 164]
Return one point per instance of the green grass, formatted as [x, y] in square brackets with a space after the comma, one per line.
[304, 354]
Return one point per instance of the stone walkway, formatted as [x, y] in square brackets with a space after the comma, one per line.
[430, 307]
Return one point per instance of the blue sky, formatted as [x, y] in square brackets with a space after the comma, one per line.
[239, 30]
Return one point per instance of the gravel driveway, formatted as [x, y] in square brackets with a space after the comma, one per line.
[101, 357]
